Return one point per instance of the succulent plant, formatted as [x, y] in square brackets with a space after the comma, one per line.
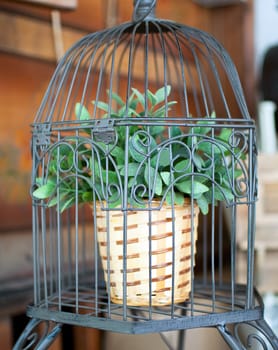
[147, 159]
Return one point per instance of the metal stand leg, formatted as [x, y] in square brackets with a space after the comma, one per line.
[230, 339]
[32, 338]
[250, 335]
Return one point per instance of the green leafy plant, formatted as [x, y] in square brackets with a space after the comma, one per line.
[149, 158]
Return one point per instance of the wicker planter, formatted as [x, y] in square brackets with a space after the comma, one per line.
[145, 258]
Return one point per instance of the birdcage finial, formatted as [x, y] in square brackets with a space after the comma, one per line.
[143, 9]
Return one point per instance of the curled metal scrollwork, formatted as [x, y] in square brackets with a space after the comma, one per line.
[36, 337]
[256, 335]
[197, 161]
[153, 164]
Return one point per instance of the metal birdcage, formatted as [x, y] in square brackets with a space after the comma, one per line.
[144, 155]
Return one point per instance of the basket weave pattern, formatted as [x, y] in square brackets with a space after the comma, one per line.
[147, 259]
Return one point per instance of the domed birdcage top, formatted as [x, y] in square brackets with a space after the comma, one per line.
[105, 69]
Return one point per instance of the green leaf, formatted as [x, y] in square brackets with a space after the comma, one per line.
[224, 193]
[114, 202]
[203, 204]
[140, 146]
[138, 180]
[81, 112]
[209, 148]
[102, 105]
[178, 198]
[161, 112]
[160, 93]
[117, 98]
[225, 134]
[152, 99]
[119, 155]
[62, 195]
[127, 112]
[39, 181]
[132, 170]
[156, 130]
[110, 177]
[198, 161]
[67, 203]
[175, 131]
[153, 180]
[166, 177]
[183, 167]
[164, 158]
[87, 196]
[195, 189]
[203, 130]
[141, 97]
[45, 191]
[132, 101]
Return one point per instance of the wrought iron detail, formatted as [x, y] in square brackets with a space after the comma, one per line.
[42, 134]
[250, 335]
[144, 9]
[36, 337]
[104, 131]
[91, 160]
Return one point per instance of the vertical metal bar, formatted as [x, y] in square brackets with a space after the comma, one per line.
[192, 298]
[213, 255]
[251, 224]
[213, 240]
[35, 228]
[36, 261]
[59, 265]
[220, 244]
[173, 224]
[233, 232]
[69, 249]
[146, 82]
[51, 241]
[192, 248]
[214, 70]
[59, 238]
[76, 220]
[95, 239]
[44, 246]
[84, 242]
[131, 54]
[233, 253]
[205, 249]
[108, 233]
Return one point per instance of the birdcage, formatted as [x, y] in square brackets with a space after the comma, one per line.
[144, 154]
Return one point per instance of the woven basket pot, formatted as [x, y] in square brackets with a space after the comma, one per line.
[153, 256]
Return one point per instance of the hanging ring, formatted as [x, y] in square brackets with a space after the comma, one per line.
[143, 9]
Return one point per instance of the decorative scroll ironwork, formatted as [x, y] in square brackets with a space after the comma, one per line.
[155, 167]
[36, 337]
[42, 134]
[250, 335]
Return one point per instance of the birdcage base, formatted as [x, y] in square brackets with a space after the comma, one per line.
[91, 308]
[241, 329]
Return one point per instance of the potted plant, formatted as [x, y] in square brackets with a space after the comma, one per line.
[143, 173]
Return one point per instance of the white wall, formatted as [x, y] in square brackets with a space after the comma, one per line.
[266, 28]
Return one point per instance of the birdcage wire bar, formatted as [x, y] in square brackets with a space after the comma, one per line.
[201, 113]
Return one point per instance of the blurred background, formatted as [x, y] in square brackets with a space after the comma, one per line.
[34, 34]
